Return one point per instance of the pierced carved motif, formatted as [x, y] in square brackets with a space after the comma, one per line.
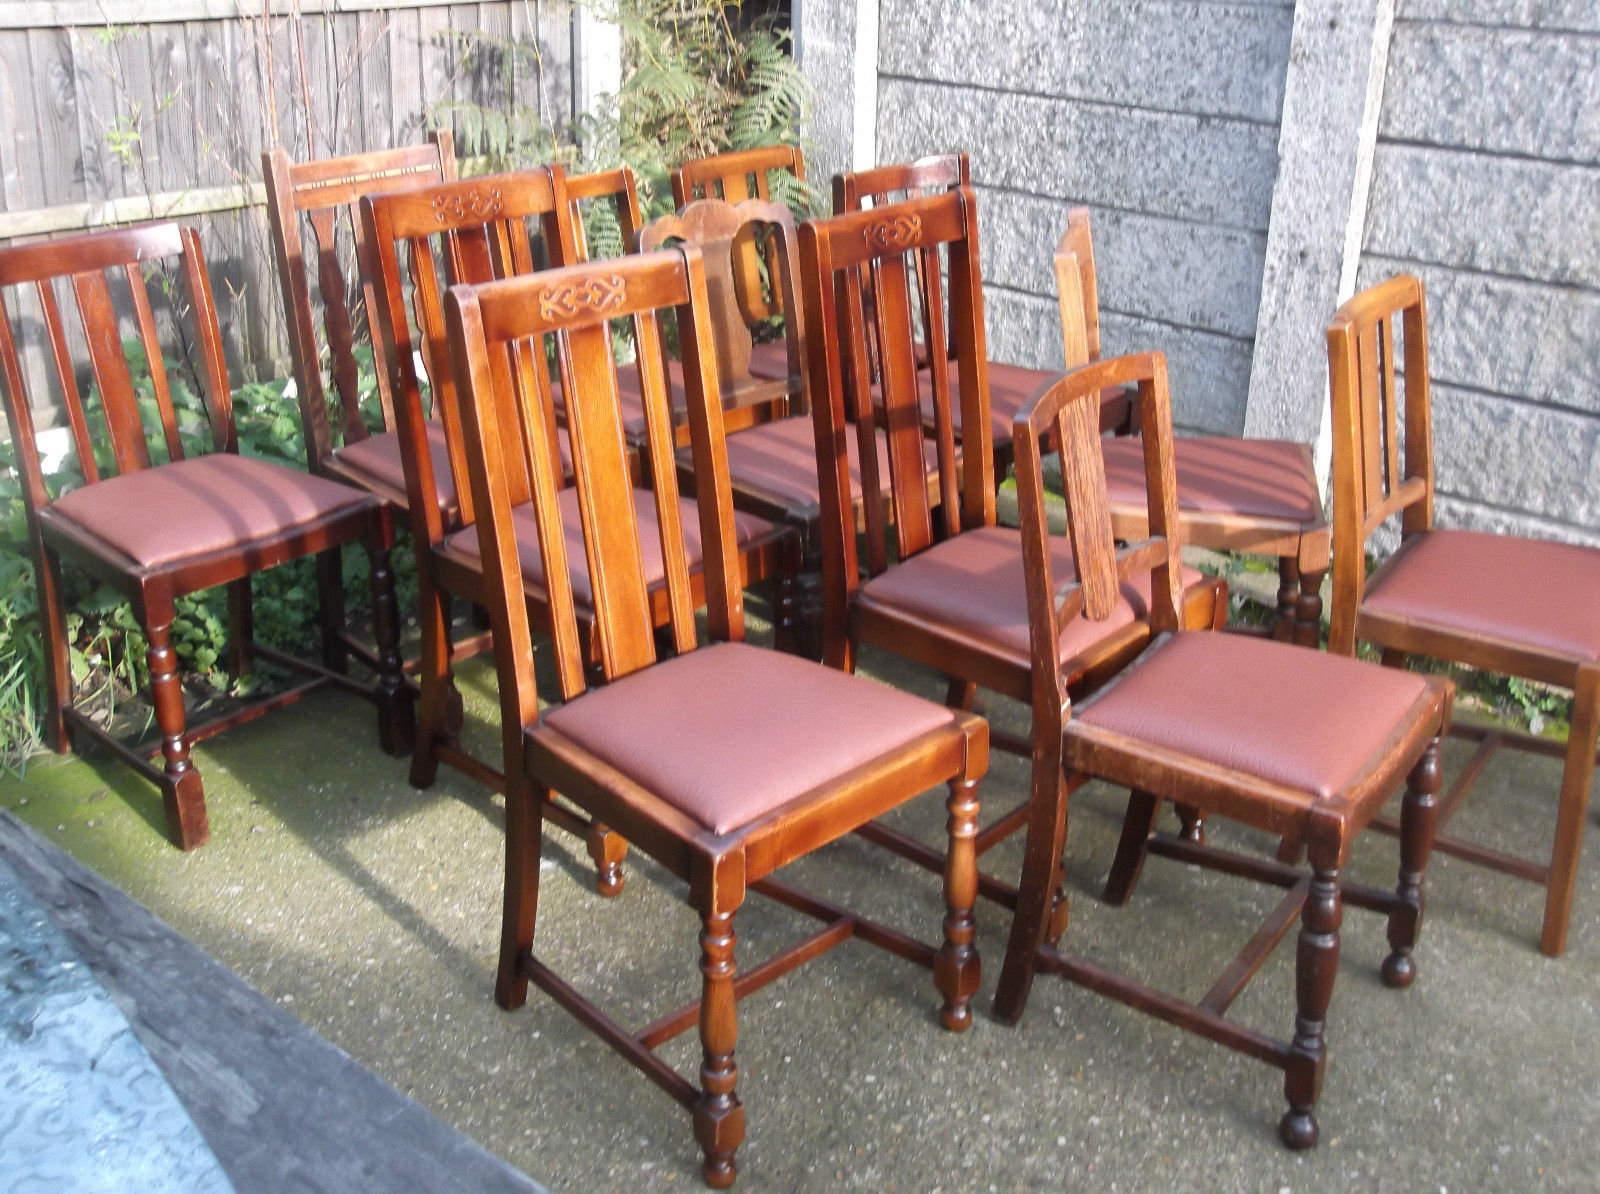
[593, 294]
[894, 235]
[469, 205]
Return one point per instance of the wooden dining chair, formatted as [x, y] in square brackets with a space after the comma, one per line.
[722, 761]
[946, 588]
[320, 197]
[473, 231]
[1010, 386]
[1500, 603]
[734, 177]
[1252, 496]
[153, 517]
[749, 398]
[1263, 733]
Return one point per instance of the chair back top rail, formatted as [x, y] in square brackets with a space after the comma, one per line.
[105, 275]
[717, 227]
[1067, 416]
[1372, 480]
[323, 194]
[472, 230]
[492, 326]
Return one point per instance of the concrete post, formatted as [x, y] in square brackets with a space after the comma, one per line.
[596, 58]
[1337, 57]
[836, 43]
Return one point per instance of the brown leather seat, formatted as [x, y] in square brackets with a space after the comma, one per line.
[797, 727]
[1010, 388]
[190, 508]
[770, 360]
[463, 545]
[1307, 720]
[1496, 586]
[779, 461]
[973, 587]
[375, 464]
[1259, 478]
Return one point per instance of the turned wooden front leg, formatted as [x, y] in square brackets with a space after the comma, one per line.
[1308, 611]
[182, 794]
[1316, 962]
[718, 1114]
[957, 970]
[1419, 819]
[1288, 597]
[607, 848]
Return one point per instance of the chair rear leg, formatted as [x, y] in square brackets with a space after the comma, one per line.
[331, 613]
[1419, 819]
[1036, 893]
[958, 969]
[718, 1113]
[182, 794]
[520, 909]
[1316, 963]
[397, 714]
[57, 660]
[241, 628]
[1131, 847]
[1577, 779]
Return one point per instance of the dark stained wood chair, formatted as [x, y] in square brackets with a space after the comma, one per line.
[722, 761]
[954, 598]
[1010, 386]
[162, 522]
[1266, 734]
[421, 241]
[1500, 603]
[321, 196]
[1256, 497]
[734, 177]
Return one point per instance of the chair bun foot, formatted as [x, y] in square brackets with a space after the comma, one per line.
[1298, 1129]
[1399, 970]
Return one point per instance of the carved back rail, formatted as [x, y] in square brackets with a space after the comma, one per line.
[421, 242]
[322, 196]
[493, 328]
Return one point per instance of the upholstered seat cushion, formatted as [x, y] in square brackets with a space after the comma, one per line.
[1010, 389]
[1302, 719]
[770, 360]
[463, 545]
[1258, 478]
[973, 585]
[779, 460]
[376, 459]
[190, 508]
[730, 732]
[1531, 592]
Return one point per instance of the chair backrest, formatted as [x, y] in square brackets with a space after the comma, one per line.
[422, 241]
[1371, 482]
[899, 181]
[322, 196]
[1068, 415]
[1082, 287]
[717, 228]
[861, 262]
[616, 187]
[735, 177]
[105, 275]
[495, 329]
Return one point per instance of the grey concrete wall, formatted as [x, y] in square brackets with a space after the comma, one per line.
[1486, 184]
[1160, 116]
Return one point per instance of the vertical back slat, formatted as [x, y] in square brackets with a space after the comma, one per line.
[902, 405]
[933, 321]
[1371, 417]
[71, 397]
[111, 375]
[336, 322]
[659, 446]
[1083, 479]
[158, 366]
[1388, 402]
[1419, 412]
[855, 346]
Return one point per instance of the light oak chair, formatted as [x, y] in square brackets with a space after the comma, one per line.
[722, 761]
[155, 521]
[1523, 607]
[1263, 733]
